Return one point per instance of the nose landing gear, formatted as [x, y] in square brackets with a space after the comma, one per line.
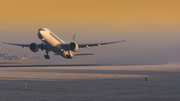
[46, 56]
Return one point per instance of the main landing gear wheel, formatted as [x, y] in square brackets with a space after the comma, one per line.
[69, 56]
[46, 56]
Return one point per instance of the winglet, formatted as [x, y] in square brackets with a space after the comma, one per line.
[73, 38]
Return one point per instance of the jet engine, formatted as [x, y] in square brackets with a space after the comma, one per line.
[34, 47]
[73, 46]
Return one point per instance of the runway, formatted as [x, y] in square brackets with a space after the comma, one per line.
[62, 65]
[90, 83]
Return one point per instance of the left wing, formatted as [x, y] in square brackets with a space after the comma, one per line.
[23, 45]
[41, 46]
[98, 44]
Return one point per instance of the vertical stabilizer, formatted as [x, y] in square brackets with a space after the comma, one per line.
[73, 38]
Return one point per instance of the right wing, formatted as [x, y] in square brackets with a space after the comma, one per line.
[66, 46]
[98, 44]
[41, 46]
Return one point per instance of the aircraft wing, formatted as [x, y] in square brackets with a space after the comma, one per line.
[41, 46]
[22, 45]
[98, 44]
[66, 46]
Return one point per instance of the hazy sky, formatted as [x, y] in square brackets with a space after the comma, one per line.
[151, 28]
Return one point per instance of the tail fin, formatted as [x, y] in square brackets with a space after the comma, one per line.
[73, 38]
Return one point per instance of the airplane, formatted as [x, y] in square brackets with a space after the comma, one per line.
[53, 43]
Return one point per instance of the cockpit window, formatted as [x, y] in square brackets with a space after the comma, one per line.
[41, 30]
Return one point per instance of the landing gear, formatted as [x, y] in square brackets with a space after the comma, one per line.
[69, 56]
[46, 55]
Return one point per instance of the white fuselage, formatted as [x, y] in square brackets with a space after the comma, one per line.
[53, 42]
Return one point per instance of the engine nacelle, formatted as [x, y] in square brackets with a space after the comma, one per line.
[73, 46]
[34, 47]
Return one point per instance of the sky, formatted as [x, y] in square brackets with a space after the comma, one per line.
[150, 27]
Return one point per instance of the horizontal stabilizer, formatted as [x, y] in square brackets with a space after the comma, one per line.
[85, 54]
[80, 54]
[57, 54]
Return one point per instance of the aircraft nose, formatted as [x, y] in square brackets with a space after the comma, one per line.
[40, 34]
